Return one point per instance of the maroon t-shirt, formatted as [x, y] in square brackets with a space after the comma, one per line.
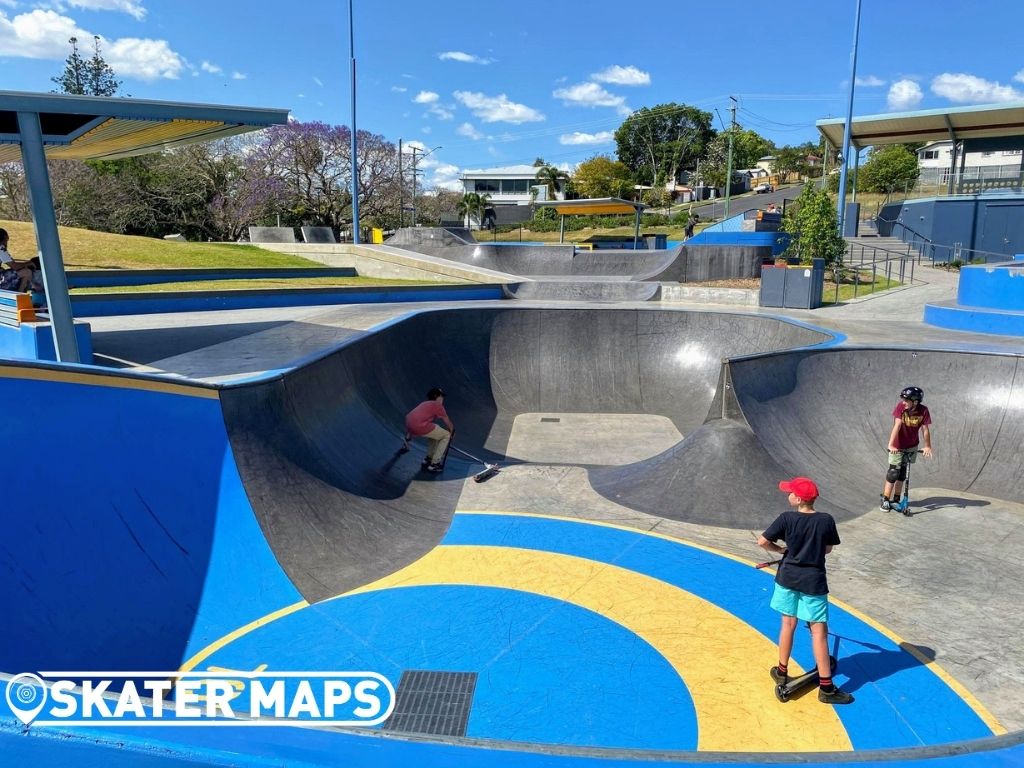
[420, 420]
[910, 424]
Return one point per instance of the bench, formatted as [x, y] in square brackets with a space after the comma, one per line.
[16, 308]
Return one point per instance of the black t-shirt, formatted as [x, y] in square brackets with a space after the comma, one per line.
[806, 536]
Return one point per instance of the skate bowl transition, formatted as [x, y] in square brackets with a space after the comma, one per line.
[158, 524]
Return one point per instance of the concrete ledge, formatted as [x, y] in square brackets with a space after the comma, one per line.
[708, 295]
[974, 319]
[384, 261]
[34, 341]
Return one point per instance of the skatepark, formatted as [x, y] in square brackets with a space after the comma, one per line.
[597, 597]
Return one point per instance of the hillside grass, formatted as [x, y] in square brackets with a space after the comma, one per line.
[85, 249]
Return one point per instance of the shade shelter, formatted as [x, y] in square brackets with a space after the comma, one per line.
[980, 128]
[603, 206]
[35, 127]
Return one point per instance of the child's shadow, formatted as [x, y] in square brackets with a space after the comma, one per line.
[877, 663]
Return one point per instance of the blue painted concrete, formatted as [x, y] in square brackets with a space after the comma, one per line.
[146, 551]
[549, 685]
[996, 286]
[97, 305]
[34, 341]
[101, 278]
[975, 320]
[729, 232]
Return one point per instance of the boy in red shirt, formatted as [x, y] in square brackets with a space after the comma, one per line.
[911, 425]
[419, 422]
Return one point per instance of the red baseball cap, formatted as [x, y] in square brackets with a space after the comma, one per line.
[803, 487]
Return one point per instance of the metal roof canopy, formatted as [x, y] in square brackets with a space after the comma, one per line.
[37, 126]
[601, 206]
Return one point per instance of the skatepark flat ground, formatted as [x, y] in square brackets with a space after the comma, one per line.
[940, 588]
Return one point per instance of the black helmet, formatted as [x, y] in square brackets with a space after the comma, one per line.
[912, 393]
[435, 393]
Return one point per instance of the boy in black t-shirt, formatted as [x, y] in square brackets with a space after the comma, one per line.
[801, 588]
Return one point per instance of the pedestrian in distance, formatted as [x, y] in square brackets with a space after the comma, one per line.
[911, 426]
[801, 586]
[421, 422]
[690, 223]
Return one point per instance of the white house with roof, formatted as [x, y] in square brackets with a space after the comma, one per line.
[509, 185]
[935, 157]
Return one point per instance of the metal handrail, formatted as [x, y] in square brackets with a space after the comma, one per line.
[892, 263]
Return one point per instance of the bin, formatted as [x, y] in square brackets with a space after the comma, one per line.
[798, 287]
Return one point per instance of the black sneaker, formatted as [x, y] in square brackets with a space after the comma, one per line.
[835, 696]
[885, 505]
[778, 677]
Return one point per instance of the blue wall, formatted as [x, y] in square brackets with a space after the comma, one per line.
[34, 341]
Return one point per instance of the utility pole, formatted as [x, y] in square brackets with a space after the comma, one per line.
[415, 150]
[401, 188]
[728, 172]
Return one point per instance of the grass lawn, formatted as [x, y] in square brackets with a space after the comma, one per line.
[847, 287]
[85, 249]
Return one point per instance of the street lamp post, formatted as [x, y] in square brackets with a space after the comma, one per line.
[849, 123]
[355, 164]
[415, 157]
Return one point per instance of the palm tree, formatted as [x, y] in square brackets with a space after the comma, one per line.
[551, 177]
[483, 202]
[468, 206]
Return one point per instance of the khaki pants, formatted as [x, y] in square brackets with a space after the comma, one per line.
[437, 443]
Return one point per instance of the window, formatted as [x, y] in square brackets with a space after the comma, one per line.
[515, 186]
[489, 186]
[930, 154]
[1011, 152]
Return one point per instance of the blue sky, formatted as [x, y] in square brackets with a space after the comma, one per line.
[503, 83]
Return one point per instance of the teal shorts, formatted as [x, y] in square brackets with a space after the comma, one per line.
[813, 608]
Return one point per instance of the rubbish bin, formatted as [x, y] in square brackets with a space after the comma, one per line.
[797, 287]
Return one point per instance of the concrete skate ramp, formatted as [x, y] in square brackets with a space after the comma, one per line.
[826, 414]
[316, 447]
[681, 264]
[583, 290]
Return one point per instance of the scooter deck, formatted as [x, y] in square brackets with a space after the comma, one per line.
[806, 680]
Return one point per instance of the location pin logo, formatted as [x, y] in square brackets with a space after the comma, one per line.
[26, 696]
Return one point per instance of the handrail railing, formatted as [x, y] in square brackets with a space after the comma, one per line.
[893, 264]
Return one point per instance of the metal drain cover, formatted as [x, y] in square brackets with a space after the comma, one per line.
[433, 703]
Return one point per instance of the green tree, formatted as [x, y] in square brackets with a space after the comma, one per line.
[552, 178]
[889, 168]
[92, 77]
[714, 163]
[600, 176]
[790, 160]
[748, 147]
[814, 224]
[468, 206]
[656, 144]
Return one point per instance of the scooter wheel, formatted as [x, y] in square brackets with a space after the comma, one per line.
[781, 693]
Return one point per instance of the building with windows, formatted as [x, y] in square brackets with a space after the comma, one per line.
[985, 167]
[511, 189]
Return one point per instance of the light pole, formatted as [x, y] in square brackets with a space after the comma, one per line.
[728, 172]
[355, 163]
[849, 123]
[415, 150]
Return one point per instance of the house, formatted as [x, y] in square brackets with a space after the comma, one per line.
[511, 189]
[766, 164]
[991, 168]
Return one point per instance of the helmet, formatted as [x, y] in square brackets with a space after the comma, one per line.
[912, 393]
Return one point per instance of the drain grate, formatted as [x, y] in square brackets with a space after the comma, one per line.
[550, 419]
[433, 703]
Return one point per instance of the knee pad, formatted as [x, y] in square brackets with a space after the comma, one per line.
[895, 473]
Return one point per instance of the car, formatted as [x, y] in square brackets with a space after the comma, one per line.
[761, 188]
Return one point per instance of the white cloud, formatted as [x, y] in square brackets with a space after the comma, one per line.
[588, 95]
[126, 6]
[42, 34]
[1019, 77]
[399, 88]
[904, 94]
[961, 88]
[617, 75]
[603, 137]
[426, 97]
[213, 69]
[446, 176]
[236, 75]
[465, 58]
[426, 129]
[441, 111]
[318, 81]
[493, 109]
[869, 81]
[467, 130]
[143, 59]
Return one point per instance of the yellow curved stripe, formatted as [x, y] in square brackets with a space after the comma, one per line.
[969, 698]
[99, 380]
[723, 661]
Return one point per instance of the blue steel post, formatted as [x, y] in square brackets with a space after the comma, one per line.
[58, 301]
[355, 163]
[849, 123]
